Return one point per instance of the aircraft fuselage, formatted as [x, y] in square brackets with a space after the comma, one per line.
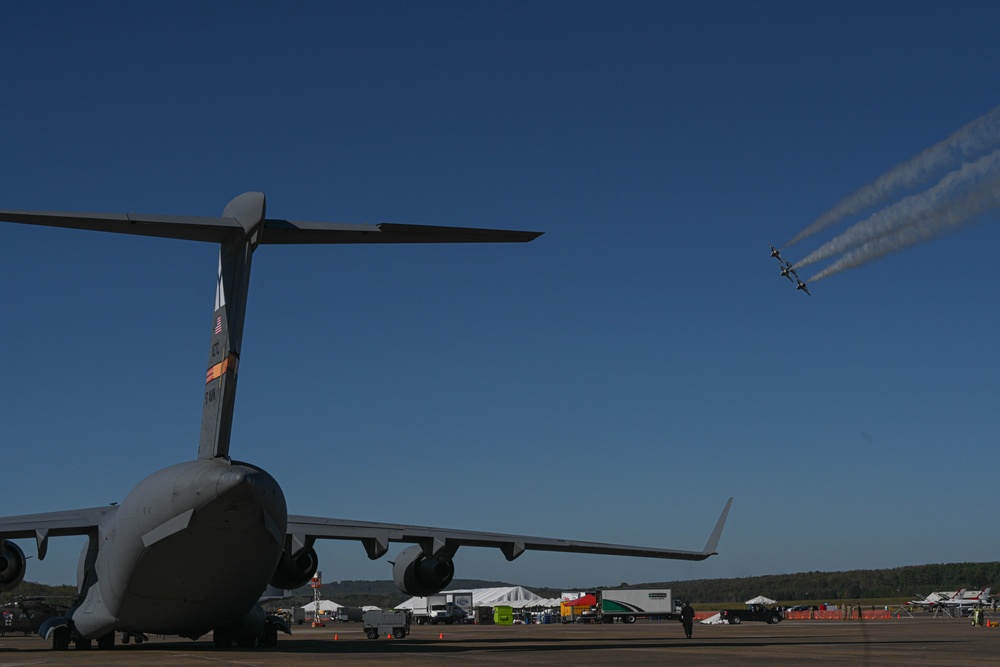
[190, 549]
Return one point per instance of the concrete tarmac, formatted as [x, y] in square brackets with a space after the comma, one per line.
[921, 641]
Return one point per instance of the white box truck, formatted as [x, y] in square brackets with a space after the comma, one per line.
[449, 608]
[628, 604]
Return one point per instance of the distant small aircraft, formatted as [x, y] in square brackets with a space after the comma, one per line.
[788, 272]
[963, 600]
[775, 253]
[956, 601]
[26, 614]
[802, 286]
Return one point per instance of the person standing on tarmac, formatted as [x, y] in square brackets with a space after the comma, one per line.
[687, 619]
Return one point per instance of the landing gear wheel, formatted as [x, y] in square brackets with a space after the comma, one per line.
[221, 639]
[60, 639]
[82, 644]
[106, 642]
[270, 636]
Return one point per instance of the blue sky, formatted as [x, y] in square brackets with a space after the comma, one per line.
[615, 380]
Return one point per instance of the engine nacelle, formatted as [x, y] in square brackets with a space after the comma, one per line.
[416, 574]
[12, 565]
[295, 572]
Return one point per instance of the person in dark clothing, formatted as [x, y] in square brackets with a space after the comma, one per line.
[687, 618]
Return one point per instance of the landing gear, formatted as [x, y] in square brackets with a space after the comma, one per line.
[60, 639]
[222, 638]
[270, 638]
[106, 642]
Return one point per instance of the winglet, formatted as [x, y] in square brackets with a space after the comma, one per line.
[713, 541]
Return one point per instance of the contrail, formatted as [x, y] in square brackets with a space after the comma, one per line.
[922, 208]
[971, 141]
[947, 215]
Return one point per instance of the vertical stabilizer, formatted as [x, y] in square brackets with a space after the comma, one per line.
[233, 279]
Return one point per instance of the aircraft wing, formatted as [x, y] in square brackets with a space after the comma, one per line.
[376, 538]
[54, 524]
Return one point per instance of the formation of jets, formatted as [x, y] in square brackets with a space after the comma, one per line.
[787, 270]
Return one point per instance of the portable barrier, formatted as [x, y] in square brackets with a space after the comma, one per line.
[867, 615]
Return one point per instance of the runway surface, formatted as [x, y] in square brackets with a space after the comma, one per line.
[922, 641]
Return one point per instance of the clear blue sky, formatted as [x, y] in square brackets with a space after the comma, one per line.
[615, 380]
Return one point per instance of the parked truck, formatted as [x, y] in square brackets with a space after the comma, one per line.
[350, 614]
[449, 608]
[628, 604]
[753, 612]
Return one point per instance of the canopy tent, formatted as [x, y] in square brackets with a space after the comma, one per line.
[760, 599]
[588, 600]
[325, 606]
[518, 597]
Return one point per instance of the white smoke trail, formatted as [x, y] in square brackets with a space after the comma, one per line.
[912, 210]
[948, 216]
[971, 141]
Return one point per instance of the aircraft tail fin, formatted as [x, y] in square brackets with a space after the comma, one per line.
[233, 280]
[240, 229]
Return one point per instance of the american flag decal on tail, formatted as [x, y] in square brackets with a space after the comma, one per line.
[218, 325]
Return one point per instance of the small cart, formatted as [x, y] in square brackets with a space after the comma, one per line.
[394, 623]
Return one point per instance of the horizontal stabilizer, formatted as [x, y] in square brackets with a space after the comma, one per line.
[218, 230]
[213, 230]
[286, 231]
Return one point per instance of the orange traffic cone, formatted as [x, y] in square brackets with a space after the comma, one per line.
[336, 637]
[441, 635]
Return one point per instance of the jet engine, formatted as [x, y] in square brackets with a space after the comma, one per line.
[416, 574]
[12, 565]
[295, 571]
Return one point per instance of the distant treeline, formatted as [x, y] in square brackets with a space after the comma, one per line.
[30, 589]
[851, 585]
[820, 586]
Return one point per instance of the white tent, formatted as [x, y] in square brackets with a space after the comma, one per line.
[325, 606]
[760, 599]
[512, 596]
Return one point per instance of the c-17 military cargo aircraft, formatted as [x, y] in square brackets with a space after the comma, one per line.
[192, 547]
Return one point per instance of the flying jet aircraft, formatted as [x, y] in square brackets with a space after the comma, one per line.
[191, 548]
[802, 286]
[775, 253]
[787, 271]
